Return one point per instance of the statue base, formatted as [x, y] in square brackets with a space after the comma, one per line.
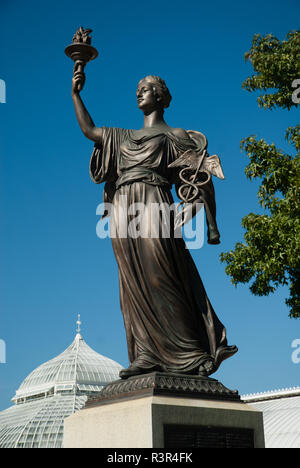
[161, 410]
[162, 383]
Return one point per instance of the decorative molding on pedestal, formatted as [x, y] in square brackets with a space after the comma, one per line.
[163, 384]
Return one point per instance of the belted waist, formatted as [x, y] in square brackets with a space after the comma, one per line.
[142, 174]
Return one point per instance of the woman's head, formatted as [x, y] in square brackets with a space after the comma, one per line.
[159, 90]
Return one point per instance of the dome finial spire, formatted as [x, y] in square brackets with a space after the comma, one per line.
[78, 323]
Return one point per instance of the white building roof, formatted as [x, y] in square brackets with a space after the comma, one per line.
[281, 414]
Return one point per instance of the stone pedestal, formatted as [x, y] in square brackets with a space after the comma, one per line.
[158, 410]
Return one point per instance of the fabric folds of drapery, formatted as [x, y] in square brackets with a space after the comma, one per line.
[170, 323]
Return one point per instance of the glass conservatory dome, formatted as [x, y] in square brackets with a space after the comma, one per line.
[53, 391]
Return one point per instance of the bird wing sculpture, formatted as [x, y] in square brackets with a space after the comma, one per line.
[188, 159]
[212, 164]
[192, 160]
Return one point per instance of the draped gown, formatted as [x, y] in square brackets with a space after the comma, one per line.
[170, 323]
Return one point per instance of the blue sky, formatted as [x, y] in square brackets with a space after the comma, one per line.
[52, 265]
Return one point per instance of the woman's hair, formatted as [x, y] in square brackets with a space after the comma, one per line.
[160, 89]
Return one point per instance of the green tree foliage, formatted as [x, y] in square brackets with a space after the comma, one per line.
[270, 253]
[276, 65]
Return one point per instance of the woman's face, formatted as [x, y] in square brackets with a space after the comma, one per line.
[146, 98]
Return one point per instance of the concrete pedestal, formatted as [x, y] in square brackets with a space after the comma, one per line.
[146, 422]
[162, 411]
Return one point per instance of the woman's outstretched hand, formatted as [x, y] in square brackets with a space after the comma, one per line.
[78, 78]
[84, 119]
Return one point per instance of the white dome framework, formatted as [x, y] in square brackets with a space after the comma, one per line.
[53, 391]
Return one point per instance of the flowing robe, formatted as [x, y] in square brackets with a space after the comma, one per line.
[170, 323]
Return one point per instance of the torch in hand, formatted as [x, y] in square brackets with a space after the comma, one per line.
[81, 52]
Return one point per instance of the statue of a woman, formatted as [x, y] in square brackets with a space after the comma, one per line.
[169, 321]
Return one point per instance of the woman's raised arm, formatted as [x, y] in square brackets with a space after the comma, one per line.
[84, 119]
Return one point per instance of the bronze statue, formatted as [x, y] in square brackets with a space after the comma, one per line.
[170, 323]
